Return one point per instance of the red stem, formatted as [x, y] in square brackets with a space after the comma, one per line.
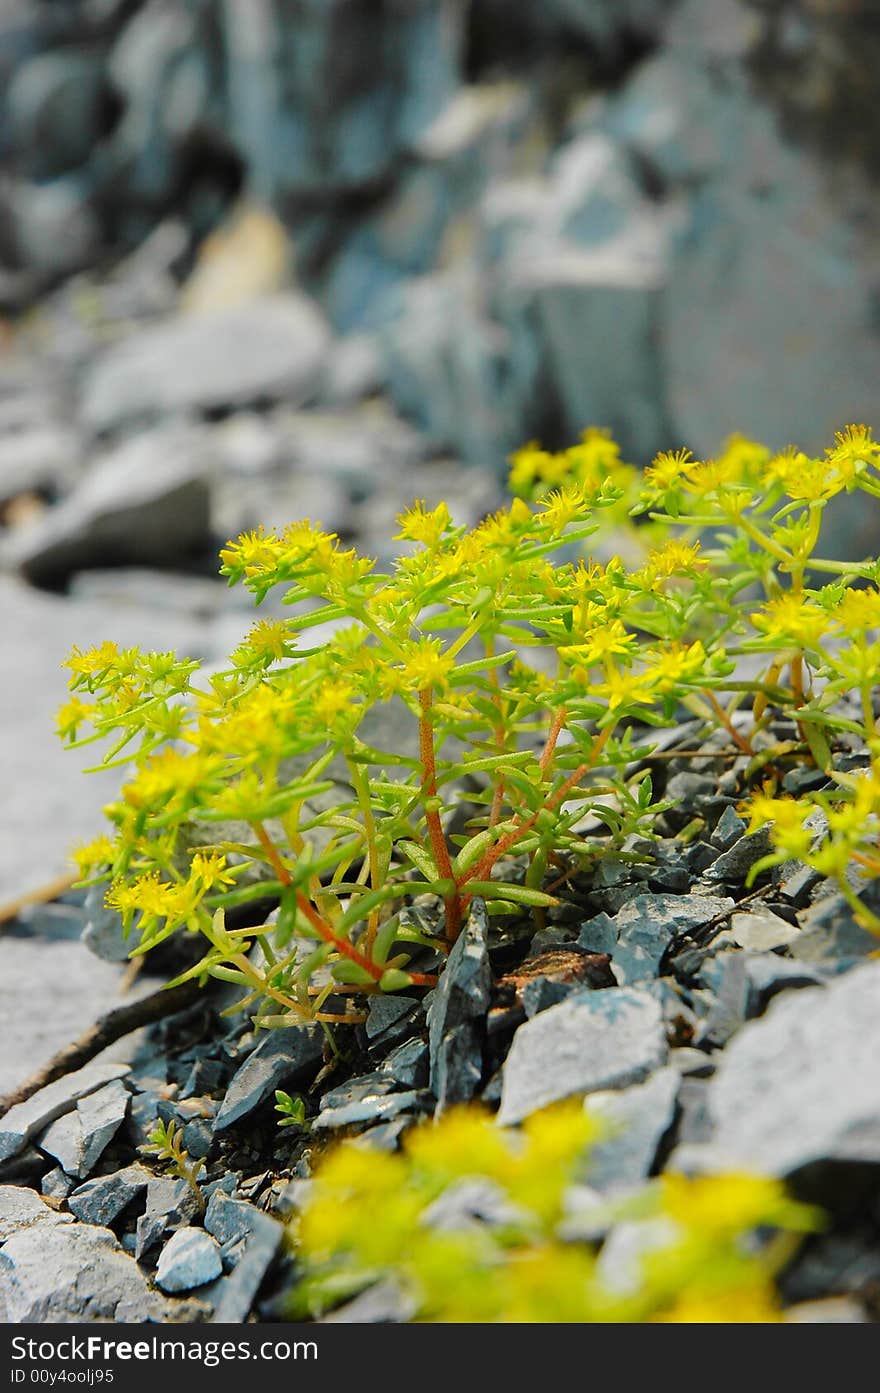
[432, 816]
[317, 921]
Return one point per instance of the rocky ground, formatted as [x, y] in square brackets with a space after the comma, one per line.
[716, 1028]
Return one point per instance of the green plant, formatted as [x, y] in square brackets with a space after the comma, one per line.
[292, 1110]
[698, 1259]
[165, 1142]
[265, 780]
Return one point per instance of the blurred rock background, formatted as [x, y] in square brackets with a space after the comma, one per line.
[262, 259]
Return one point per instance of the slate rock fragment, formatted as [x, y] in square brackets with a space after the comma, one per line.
[102, 1200]
[22, 1209]
[799, 1085]
[286, 1058]
[250, 1240]
[638, 1118]
[171, 1204]
[73, 1272]
[457, 1014]
[647, 925]
[27, 1119]
[592, 1041]
[78, 1139]
[189, 1259]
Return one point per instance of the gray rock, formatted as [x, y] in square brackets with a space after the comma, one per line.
[830, 935]
[385, 1136]
[542, 992]
[27, 1119]
[593, 1041]
[54, 230]
[198, 1137]
[270, 348]
[736, 862]
[171, 1204]
[326, 98]
[647, 924]
[286, 1057]
[250, 1240]
[761, 930]
[799, 1085]
[728, 830]
[620, 1264]
[569, 298]
[73, 1272]
[454, 381]
[599, 934]
[371, 1108]
[385, 1012]
[78, 1138]
[103, 929]
[102, 1200]
[457, 1014]
[189, 1259]
[408, 1064]
[381, 1304]
[55, 105]
[41, 457]
[758, 192]
[147, 501]
[470, 1203]
[56, 1184]
[769, 975]
[63, 1139]
[638, 1118]
[22, 1209]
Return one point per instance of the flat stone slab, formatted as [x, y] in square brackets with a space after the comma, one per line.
[799, 1085]
[26, 1119]
[73, 1272]
[597, 1040]
[22, 1209]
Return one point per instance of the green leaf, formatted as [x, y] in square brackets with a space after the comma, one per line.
[420, 858]
[394, 980]
[516, 894]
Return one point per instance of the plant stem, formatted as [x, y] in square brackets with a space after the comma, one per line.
[321, 926]
[739, 740]
[432, 815]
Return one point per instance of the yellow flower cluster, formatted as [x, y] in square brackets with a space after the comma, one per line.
[701, 1270]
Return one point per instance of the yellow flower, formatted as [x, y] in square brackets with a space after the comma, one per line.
[417, 525]
[624, 689]
[723, 1204]
[93, 856]
[154, 898]
[331, 699]
[787, 816]
[755, 1304]
[268, 640]
[675, 665]
[210, 870]
[427, 666]
[792, 618]
[667, 470]
[853, 449]
[858, 611]
[71, 716]
[94, 661]
[252, 553]
[608, 640]
[562, 507]
[674, 558]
